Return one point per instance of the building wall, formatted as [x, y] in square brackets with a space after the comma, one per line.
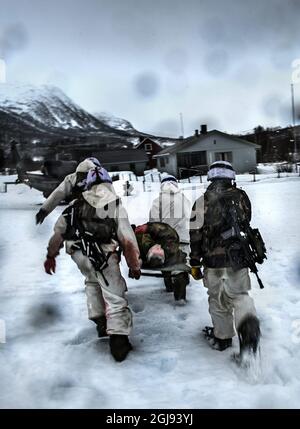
[139, 167]
[170, 164]
[243, 155]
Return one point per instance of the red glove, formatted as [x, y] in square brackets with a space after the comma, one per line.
[134, 274]
[141, 229]
[50, 265]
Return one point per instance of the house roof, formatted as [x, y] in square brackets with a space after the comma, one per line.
[122, 156]
[145, 140]
[185, 143]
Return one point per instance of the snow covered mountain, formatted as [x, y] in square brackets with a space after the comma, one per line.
[46, 107]
[44, 113]
[115, 122]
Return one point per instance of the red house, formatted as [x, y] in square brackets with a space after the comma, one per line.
[151, 148]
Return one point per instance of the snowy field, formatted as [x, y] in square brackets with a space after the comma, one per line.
[53, 359]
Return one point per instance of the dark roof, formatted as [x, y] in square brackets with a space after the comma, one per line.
[121, 156]
[185, 143]
[146, 140]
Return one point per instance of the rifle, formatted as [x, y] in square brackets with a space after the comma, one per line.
[250, 240]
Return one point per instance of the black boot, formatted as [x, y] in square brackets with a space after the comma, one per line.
[249, 334]
[216, 343]
[119, 346]
[101, 326]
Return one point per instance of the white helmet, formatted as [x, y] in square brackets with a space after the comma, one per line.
[221, 170]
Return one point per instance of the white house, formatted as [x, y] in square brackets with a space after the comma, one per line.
[199, 151]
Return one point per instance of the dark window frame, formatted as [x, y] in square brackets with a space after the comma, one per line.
[224, 156]
[191, 159]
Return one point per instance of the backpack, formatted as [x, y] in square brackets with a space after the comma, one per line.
[217, 218]
[89, 232]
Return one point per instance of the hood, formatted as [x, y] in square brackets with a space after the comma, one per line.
[85, 166]
[169, 187]
[100, 195]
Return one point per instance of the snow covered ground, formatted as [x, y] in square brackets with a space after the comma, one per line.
[53, 359]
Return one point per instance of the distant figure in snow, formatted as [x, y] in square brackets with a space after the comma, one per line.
[74, 184]
[173, 208]
[94, 227]
[128, 188]
[216, 246]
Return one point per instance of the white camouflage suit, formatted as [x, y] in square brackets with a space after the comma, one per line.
[102, 299]
[174, 208]
[229, 301]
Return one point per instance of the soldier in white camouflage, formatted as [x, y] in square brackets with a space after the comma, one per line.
[94, 227]
[226, 277]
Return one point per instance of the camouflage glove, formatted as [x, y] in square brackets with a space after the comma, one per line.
[196, 273]
[50, 265]
[40, 216]
[134, 274]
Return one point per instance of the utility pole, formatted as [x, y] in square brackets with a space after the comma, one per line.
[294, 122]
[181, 124]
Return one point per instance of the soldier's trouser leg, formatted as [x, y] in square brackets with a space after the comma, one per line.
[228, 291]
[95, 302]
[168, 281]
[118, 314]
[181, 279]
[221, 315]
[237, 285]
[106, 299]
[180, 282]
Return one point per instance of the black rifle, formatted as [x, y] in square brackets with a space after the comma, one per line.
[250, 241]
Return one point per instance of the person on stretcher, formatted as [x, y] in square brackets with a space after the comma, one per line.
[159, 246]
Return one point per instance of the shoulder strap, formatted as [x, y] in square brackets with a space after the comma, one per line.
[160, 207]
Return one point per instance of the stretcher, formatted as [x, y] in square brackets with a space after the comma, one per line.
[164, 269]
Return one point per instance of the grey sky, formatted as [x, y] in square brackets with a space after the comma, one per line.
[226, 63]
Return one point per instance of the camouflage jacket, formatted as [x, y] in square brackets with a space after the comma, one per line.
[210, 218]
[163, 234]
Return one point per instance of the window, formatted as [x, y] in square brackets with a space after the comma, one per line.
[162, 162]
[223, 156]
[148, 147]
[191, 159]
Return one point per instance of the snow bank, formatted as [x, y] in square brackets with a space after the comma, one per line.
[53, 359]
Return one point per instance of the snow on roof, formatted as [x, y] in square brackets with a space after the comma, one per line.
[185, 143]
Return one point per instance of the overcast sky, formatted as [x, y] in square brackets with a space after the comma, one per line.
[227, 63]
